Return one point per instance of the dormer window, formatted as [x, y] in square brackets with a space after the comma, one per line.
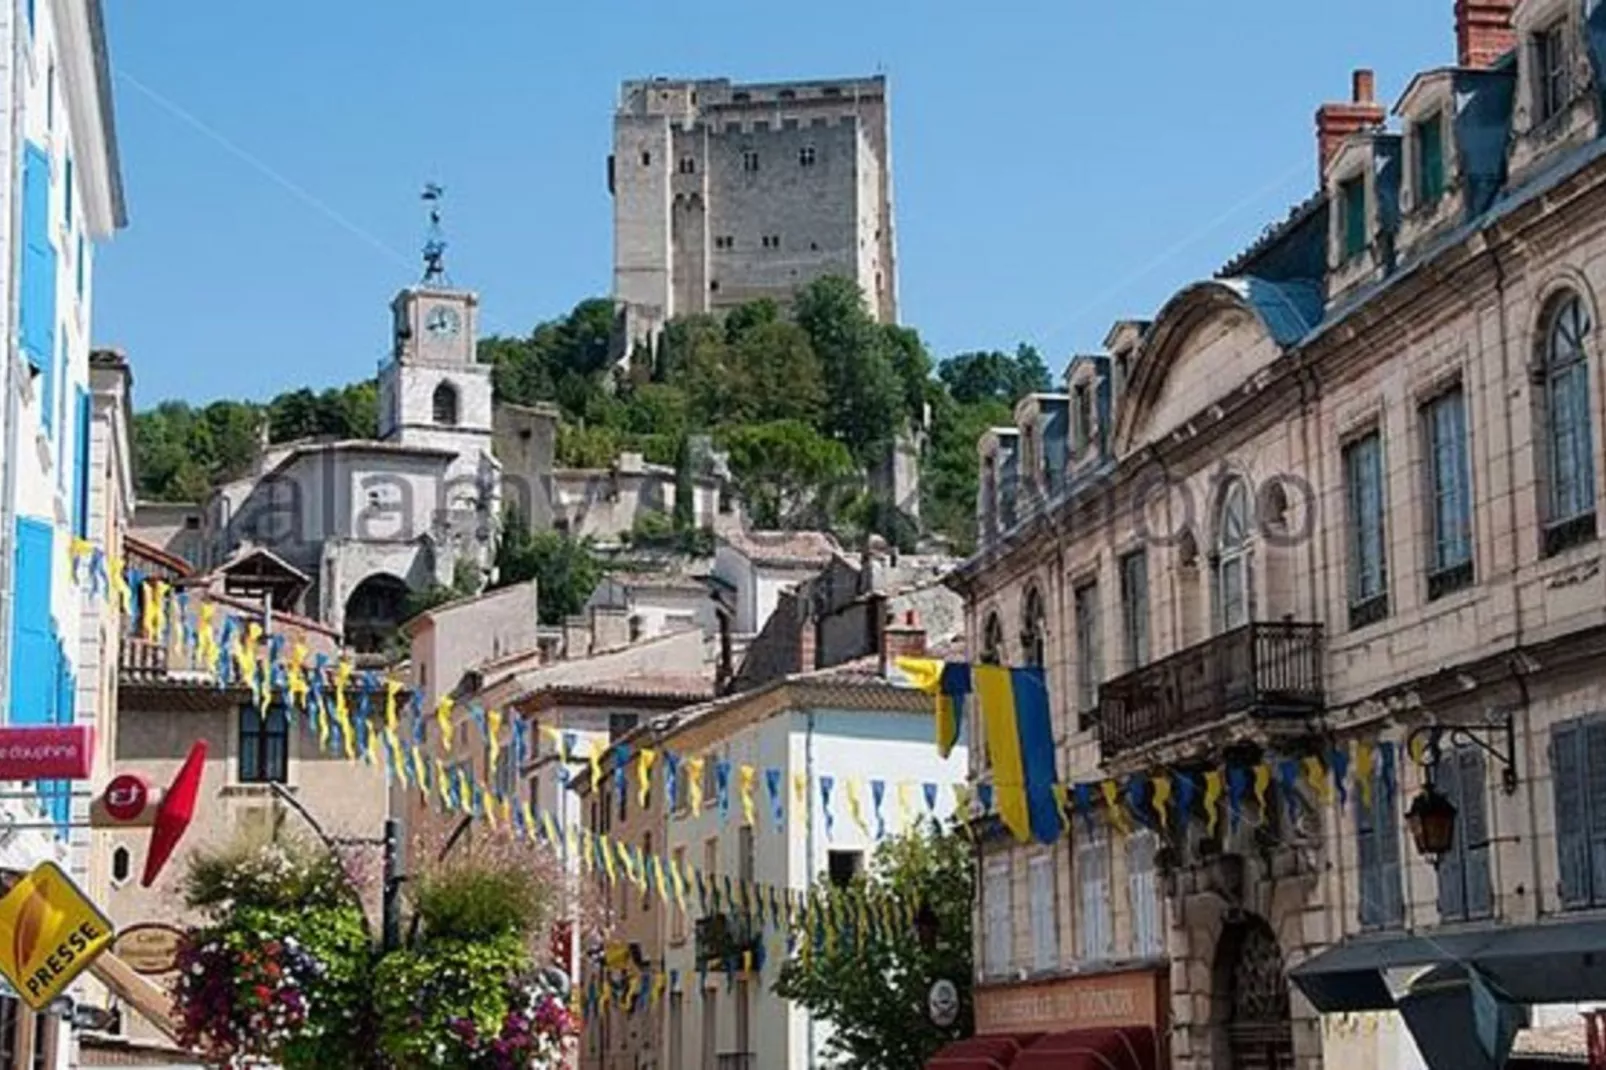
[1429, 145]
[1550, 70]
[1081, 416]
[1352, 215]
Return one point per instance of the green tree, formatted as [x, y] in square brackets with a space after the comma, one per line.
[565, 570]
[912, 363]
[775, 375]
[787, 473]
[865, 400]
[948, 475]
[994, 376]
[876, 998]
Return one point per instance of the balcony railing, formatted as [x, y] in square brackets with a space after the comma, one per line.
[1266, 670]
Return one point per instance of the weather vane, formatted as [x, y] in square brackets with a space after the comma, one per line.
[434, 242]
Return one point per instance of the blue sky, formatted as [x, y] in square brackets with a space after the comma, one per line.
[1058, 164]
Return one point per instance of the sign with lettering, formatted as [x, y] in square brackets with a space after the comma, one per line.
[150, 949]
[129, 801]
[1099, 1001]
[49, 933]
[46, 752]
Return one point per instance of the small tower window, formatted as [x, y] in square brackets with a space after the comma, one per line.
[749, 160]
[805, 156]
[445, 404]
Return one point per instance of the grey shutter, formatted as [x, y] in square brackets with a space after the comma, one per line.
[1475, 846]
[1367, 860]
[1452, 867]
[1595, 805]
[1387, 824]
[1572, 834]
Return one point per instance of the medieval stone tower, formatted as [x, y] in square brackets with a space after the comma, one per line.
[724, 193]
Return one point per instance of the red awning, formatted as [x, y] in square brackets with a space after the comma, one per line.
[981, 1053]
[1093, 1049]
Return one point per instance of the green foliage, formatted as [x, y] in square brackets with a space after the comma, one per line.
[480, 902]
[416, 992]
[788, 474]
[565, 570]
[865, 401]
[467, 580]
[876, 998]
[994, 376]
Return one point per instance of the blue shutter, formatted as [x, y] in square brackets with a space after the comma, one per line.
[67, 195]
[47, 396]
[1452, 867]
[38, 291]
[1370, 872]
[33, 644]
[1572, 836]
[80, 471]
[78, 264]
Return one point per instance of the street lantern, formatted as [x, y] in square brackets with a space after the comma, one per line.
[926, 926]
[1431, 820]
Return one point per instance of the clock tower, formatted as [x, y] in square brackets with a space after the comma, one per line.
[433, 391]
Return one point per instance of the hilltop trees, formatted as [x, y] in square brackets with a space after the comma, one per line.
[806, 403]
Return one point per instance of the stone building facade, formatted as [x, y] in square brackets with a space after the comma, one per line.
[727, 192]
[1341, 493]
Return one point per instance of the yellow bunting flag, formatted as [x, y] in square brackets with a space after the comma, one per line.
[904, 810]
[420, 771]
[854, 809]
[443, 717]
[1112, 804]
[443, 785]
[343, 673]
[747, 773]
[1062, 799]
[206, 639]
[800, 788]
[557, 741]
[659, 984]
[644, 763]
[255, 672]
[679, 883]
[1363, 771]
[493, 737]
[1162, 798]
[694, 770]
[962, 803]
[1262, 783]
[296, 674]
[1316, 774]
[148, 612]
[1417, 748]
[125, 595]
[594, 758]
[608, 865]
[1212, 800]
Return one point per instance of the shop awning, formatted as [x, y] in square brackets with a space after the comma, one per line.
[1093, 1049]
[1551, 962]
[996, 1052]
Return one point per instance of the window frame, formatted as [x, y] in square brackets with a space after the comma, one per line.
[1095, 931]
[1233, 559]
[1551, 87]
[1377, 835]
[1465, 872]
[1034, 628]
[260, 769]
[1565, 389]
[1043, 896]
[1353, 240]
[1089, 653]
[1366, 581]
[1134, 571]
[1450, 556]
[1431, 172]
[445, 404]
[1143, 895]
[997, 911]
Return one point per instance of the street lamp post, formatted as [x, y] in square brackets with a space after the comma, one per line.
[389, 843]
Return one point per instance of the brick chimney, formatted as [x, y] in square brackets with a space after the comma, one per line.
[903, 639]
[1336, 121]
[1483, 31]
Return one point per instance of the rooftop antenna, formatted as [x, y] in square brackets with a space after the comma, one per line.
[435, 240]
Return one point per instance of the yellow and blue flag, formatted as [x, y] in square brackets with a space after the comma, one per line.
[949, 683]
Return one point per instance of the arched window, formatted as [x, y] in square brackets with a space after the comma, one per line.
[992, 641]
[1569, 439]
[1034, 629]
[445, 404]
[1232, 558]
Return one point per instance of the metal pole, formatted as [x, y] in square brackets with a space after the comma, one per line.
[390, 926]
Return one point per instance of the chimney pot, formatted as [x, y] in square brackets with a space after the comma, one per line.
[1363, 86]
[1483, 31]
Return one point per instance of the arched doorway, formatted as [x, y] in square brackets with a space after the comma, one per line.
[374, 611]
[1252, 998]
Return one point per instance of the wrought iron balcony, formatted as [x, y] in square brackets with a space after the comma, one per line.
[724, 936]
[1266, 670]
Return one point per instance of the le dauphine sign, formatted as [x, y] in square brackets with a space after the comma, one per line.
[50, 933]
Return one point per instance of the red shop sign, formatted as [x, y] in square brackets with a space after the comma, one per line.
[46, 752]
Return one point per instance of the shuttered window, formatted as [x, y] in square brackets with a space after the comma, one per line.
[33, 649]
[80, 485]
[1377, 836]
[1465, 891]
[1096, 934]
[37, 286]
[996, 918]
[1578, 768]
[1148, 937]
[1045, 920]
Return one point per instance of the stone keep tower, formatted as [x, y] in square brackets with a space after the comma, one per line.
[724, 193]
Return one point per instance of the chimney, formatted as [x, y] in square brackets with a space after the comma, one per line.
[902, 639]
[1483, 31]
[1337, 121]
[808, 642]
[576, 638]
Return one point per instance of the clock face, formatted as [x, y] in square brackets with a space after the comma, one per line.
[443, 321]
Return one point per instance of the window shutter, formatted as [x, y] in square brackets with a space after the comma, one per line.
[1452, 867]
[1386, 822]
[80, 483]
[38, 285]
[1366, 861]
[1595, 805]
[33, 650]
[1475, 822]
[1572, 835]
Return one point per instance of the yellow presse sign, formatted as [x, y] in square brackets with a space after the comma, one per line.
[49, 933]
